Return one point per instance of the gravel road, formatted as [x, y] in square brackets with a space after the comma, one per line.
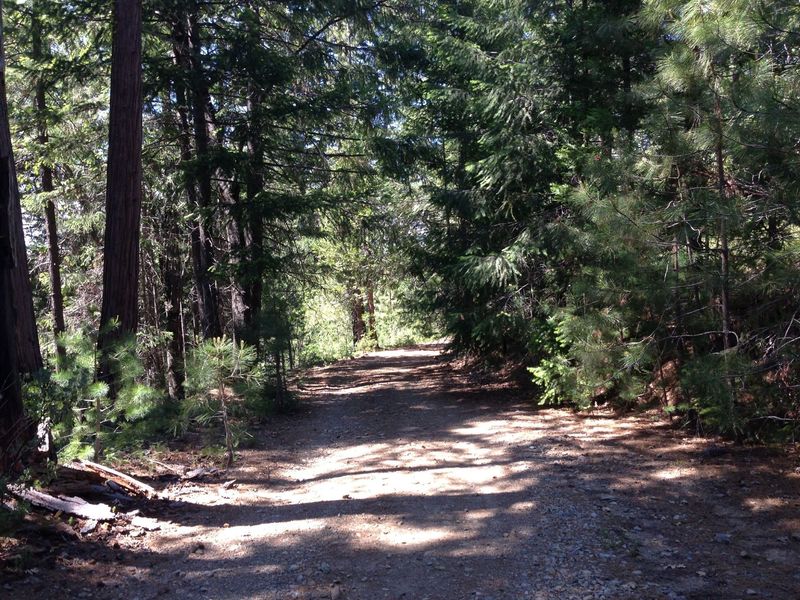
[402, 478]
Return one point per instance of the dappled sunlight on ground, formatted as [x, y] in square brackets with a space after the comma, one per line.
[404, 479]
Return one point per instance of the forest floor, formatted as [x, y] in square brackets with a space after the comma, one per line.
[402, 477]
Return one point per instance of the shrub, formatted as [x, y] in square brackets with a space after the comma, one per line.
[219, 373]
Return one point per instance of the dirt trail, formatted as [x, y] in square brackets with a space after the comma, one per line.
[402, 479]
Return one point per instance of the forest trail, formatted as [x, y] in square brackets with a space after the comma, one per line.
[401, 478]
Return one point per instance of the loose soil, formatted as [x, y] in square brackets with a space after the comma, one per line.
[403, 477]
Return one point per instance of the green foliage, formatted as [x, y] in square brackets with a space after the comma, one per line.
[69, 399]
[599, 213]
[706, 381]
[591, 189]
[219, 374]
[10, 519]
[327, 333]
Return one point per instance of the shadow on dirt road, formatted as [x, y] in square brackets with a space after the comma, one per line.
[401, 478]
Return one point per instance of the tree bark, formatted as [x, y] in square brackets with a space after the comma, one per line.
[12, 415]
[198, 181]
[15, 430]
[236, 228]
[724, 252]
[237, 246]
[200, 101]
[280, 384]
[54, 255]
[124, 186]
[254, 287]
[175, 357]
[29, 355]
[357, 315]
[173, 291]
[372, 330]
[254, 184]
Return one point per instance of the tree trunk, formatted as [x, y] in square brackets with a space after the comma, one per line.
[236, 228]
[29, 355]
[372, 330]
[357, 315]
[200, 99]
[204, 311]
[173, 289]
[724, 253]
[237, 246]
[254, 287]
[15, 431]
[728, 341]
[198, 183]
[54, 255]
[54, 265]
[254, 182]
[124, 186]
[13, 426]
[280, 385]
[171, 270]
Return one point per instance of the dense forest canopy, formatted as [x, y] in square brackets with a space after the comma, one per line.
[198, 197]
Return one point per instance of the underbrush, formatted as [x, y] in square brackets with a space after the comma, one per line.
[724, 393]
[228, 390]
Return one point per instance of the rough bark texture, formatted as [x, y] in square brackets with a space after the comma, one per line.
[29, 355]
[124, 181]
[12, 416]
[15, 430]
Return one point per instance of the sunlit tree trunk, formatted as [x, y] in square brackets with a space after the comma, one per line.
[124, 185]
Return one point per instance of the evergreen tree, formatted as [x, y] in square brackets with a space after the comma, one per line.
[120, 312]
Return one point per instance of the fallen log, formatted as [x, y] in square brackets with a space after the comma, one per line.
[69, 481]
[72, 506]
[126, 482]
